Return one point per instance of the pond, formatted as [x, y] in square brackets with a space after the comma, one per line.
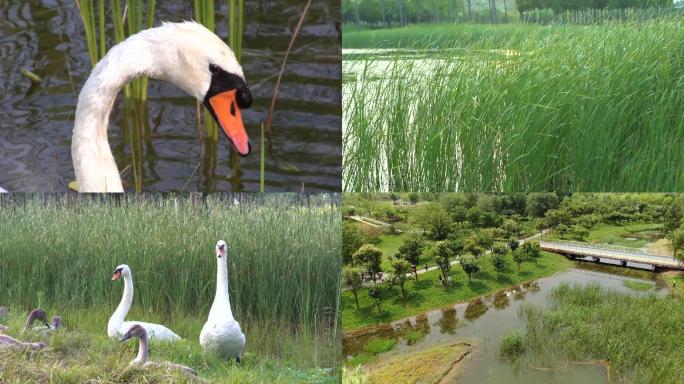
[485, 320]
[36, 119]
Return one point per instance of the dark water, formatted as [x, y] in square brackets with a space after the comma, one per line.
[36, 120]
[485, 320]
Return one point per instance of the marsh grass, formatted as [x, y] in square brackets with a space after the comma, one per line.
[82, 352]
[541, 108]
[641, 337]
[284, 265]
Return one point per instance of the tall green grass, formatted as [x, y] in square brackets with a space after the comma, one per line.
[641, 337]
[284, 261]
[586, 109]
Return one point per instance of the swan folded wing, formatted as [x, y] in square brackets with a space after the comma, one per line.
[154, 331]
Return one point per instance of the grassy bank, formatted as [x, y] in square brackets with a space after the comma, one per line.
[641, 338]
[82, 352]
[427, 294]
[284, 268]
[449, 35]
[429, 366]
[517, 108]
[616, 234]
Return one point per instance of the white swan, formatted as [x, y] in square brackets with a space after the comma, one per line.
[186, 54]
[141, 359]
[221, 333]
[116, 327]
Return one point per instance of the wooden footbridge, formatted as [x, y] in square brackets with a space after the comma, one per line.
[602, 253]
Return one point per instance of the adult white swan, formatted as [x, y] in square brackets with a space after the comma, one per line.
[221, 333]
[186, 54]
[117, 326]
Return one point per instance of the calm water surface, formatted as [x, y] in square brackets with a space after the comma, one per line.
[36, 119]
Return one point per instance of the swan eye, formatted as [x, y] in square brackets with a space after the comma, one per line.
[213, 68]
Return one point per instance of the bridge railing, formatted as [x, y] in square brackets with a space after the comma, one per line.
[606, 247]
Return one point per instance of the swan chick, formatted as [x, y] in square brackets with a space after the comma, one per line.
[56, 322]
[141, 359]
[8, 342]
[36, 314]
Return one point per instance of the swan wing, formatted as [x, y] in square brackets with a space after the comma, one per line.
[224, 337]
[154, 331]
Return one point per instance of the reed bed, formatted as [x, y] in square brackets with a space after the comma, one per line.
[544, 108]
[283, 262]
[638, 338]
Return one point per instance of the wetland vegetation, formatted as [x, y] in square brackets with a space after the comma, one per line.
[390, 325]
[514, 107]
[59, 252]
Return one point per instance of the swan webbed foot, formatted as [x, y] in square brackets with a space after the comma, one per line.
[239, 361]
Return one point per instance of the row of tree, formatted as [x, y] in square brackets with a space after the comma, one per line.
[405, 265]
[403, 12]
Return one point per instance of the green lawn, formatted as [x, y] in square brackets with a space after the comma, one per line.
[389, 245]
[674, 280]
[616, 234]
[427, 294]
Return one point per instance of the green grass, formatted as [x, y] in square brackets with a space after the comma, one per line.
[443, 35]
[675, 281]
[428, 366]
[638, 286]
[379, 345]
[389, 245]
[512, 346]
[518, 108]
[617, 234]
[642, 337]
[427, 294]
[283, 267]
[82, 352]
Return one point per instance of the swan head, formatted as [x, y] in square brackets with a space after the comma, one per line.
[199, 62]
[134, 331]
[221, 249]
[121, 270]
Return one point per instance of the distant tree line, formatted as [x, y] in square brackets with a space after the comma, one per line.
[403, 12]
[380, 13]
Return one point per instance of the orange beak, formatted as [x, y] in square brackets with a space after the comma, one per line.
[116, 276]
[227, 113]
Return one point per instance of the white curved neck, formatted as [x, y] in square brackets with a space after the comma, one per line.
[94, 164]
[221, 306]
[119, 315]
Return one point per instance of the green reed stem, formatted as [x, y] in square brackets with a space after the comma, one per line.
[262, 148]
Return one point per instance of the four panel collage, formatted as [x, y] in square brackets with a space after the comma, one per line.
[342, 191]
